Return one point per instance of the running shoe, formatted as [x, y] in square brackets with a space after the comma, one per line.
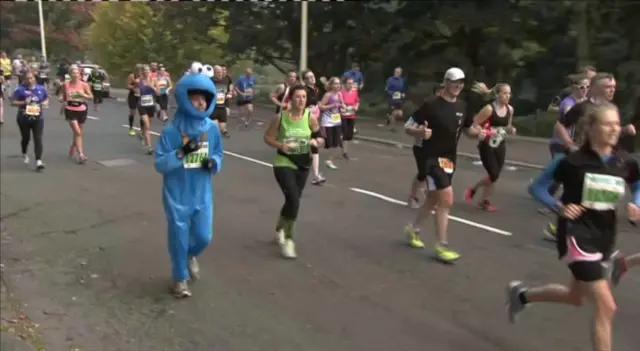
[25, 159]
[180, 289]
[514, 305]
[319, 180]
[485, 205]
[414, 203]
[194, 268]
[289, 249]
[280, 239]
[550, 232]
[39, 166]
[413, 236]
[619, 268]
[445, 254]
[132, 132]
[469, 193]
[330, 165]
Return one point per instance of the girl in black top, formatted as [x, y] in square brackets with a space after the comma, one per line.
[594, 179]
[496, 119]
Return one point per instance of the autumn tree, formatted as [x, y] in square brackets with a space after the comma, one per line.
[124, 34]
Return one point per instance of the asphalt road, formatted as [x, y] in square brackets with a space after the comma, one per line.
[84, 253]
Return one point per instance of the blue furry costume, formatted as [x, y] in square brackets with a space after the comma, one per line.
[187, 194]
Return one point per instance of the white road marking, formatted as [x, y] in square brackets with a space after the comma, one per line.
[262, 163]
[453, 218]
[95, 118]
[366, 192]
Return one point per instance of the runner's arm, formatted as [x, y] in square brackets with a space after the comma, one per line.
[87, 91]
[324, 103]
[316, 134]
[271, 134]
[18, 98]
[131, 82]
[415, 123]
[482, 116]
[539, 188]
[274, 94]
[166, 156]
[217, 152]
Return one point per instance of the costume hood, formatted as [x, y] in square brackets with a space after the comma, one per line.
[188, 119]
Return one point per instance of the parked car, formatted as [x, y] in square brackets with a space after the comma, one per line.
[106, 86]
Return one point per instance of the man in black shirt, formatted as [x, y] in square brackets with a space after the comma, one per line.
[440, 121]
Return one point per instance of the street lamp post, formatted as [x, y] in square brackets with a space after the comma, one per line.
[43, 45]
[304, 21]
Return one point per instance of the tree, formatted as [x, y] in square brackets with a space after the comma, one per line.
[124, 34]
[63, 24]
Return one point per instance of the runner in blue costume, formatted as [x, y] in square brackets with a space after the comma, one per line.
[188, 153]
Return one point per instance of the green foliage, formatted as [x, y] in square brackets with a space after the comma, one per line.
[124, 34]
[533, 45]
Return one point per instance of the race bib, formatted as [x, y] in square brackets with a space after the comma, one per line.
[75, 96]
[147, 100]
[220, 98]
[349, 110]
[194, 159]
[32, 110]
[298, 146]
[43, 75]
[397, 95]
[248, 91]
[499, 134]
[601, 192]
[97, 86]
[335, 118]
[446, 164]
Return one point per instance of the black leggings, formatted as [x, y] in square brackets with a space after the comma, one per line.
[27, 128]
[492, 159]
[291, 182]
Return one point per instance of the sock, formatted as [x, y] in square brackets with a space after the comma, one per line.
[130, 121]
[280, 223]
[523, 298]
[288, 228]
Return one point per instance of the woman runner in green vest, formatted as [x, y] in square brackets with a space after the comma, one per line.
[292, 133]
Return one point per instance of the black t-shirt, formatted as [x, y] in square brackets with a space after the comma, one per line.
[579, 110]
[314, 95]
[446, 120]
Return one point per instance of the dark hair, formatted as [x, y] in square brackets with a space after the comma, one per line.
[222, 65]
[293, 89]
[304, 73]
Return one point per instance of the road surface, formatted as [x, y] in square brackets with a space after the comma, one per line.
[84, 257]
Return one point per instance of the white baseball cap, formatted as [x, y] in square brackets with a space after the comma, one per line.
[454, 73]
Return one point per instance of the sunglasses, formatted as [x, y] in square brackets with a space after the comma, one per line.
[583, 87]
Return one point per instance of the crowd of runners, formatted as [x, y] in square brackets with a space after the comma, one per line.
[591, 163]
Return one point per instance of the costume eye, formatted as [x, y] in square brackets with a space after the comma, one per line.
[196, 67]
[208, 71]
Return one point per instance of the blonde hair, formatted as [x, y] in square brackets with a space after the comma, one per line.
[591, 118]
[330, 82]
[482, 89]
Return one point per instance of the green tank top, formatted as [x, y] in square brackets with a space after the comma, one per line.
[296, 134]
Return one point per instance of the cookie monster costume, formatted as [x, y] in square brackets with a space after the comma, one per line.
[188, 153]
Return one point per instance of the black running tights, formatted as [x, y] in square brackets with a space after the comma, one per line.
[28, 128]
